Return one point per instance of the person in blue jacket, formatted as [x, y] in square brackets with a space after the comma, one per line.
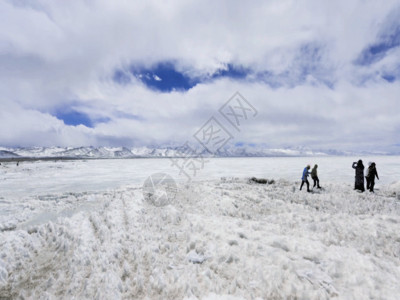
[304, 179]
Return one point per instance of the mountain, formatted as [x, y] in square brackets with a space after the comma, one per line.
[185, 150]
[7, 154]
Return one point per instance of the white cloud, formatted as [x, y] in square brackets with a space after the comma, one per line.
[24, 127]
[56, 54]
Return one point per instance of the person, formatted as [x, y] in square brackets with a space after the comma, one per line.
[304, 178]
[366, 174]
[372, 172]
[359, 179]
[314, 176]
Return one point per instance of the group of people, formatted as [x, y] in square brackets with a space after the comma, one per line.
[314, 176]
[371, 173]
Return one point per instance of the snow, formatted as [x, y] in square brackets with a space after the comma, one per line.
[82, 229]
[7, 154]
[49, 177]
[172, 151]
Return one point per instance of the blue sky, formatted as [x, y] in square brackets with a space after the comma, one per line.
[165, 77]
[324, 75]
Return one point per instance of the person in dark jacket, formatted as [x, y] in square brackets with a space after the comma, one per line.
[372, 172]
[304, 178]
[366, 174]
[359, 182]
[314, 176]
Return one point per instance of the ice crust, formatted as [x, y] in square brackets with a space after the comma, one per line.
[218, 239]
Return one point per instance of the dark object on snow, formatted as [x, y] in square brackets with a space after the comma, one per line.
[261, 180]
[372, 173]
[359, 179]
[314, 176]
[304, 179]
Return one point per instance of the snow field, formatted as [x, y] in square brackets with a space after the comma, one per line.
[86, 176]
[216, 239]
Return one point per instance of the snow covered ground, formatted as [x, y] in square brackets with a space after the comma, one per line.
[82, 229]
[49, 177]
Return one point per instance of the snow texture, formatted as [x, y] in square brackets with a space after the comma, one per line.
[217, 239]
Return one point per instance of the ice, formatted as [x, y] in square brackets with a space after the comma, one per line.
[195, 257]
[217, 239]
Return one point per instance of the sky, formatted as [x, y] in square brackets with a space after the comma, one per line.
[319, 74]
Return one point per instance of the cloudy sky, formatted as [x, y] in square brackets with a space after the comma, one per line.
[321, 74]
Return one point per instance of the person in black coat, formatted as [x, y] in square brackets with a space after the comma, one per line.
[372, 172]
[314, 176]
[359, 182]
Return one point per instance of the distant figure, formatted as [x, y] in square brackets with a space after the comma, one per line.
[314, 176]
[359, 183]
[372, 172]
[304, 178]
[17, 163]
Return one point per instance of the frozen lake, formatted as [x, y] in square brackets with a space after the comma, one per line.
[47, 177]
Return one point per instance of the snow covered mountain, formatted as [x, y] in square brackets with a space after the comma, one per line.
[124, 152]
[7, 154]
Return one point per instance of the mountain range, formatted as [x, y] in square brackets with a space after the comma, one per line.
[148, 152]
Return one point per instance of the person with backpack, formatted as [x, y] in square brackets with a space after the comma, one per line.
[372, 172]
[359, 178]
[304, 178]
[314, 176]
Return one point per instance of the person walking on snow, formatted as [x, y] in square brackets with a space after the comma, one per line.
[366, 173]
[314, 176]
[359, 179]
[372, 172]
[304, 178]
